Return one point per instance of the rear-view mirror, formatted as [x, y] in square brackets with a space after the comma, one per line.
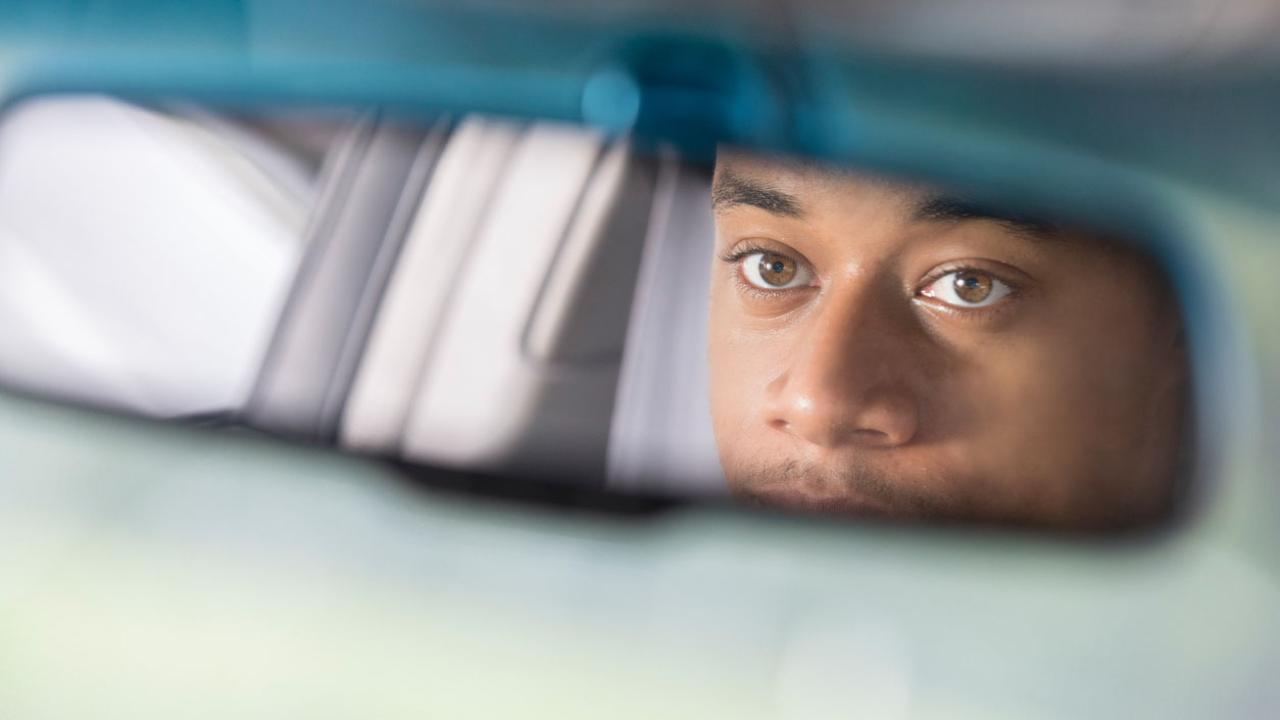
[568, 308]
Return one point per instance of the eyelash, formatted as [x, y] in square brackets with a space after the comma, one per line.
[744, 250]
[944, 270]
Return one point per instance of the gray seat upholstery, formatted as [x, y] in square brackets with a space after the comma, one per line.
[372, 187]
[463, 296]
[499, 341]
[661, 439]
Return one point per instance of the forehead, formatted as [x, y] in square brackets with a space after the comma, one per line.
[817, 186]
[810, 191]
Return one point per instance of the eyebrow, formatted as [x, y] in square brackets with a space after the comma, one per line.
[731, 190]
[944, 208]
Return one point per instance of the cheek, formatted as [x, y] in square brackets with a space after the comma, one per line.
[741, 364]
[734, 380]
[1024, 400]
[1002, 430]
[1059, 406]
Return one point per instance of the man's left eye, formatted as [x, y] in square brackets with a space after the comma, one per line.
[967, 289]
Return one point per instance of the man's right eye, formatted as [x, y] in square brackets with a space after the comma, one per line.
[774, 271]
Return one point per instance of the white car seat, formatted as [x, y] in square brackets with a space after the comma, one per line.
[458, 295]
[144, 257]
[500, 337]
[661, 439]
[508, 337]
[370, 189]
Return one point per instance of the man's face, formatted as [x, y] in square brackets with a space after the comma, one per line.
[877, 348]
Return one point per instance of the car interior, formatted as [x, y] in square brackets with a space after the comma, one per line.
[379, 302]
[495, 296]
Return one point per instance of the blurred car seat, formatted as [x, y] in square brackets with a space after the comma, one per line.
[371, 188]
[416, 298]
[122, 233]
[499, 342]
[661, 439]
[459, 295]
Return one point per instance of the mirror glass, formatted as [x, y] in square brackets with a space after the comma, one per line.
[541, 301]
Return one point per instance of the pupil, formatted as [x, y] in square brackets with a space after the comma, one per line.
[777, 266]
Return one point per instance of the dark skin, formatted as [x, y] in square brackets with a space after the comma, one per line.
[878, 348]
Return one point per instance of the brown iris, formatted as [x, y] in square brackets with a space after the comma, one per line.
[973, 287]
[777, 270]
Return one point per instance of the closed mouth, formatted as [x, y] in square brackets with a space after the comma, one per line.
[819, 498]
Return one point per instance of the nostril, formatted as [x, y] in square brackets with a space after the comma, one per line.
[869, 436]
[834, 434]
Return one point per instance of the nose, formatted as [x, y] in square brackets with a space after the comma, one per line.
[851, 376]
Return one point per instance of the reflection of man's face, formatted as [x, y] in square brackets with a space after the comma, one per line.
[877, 348]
